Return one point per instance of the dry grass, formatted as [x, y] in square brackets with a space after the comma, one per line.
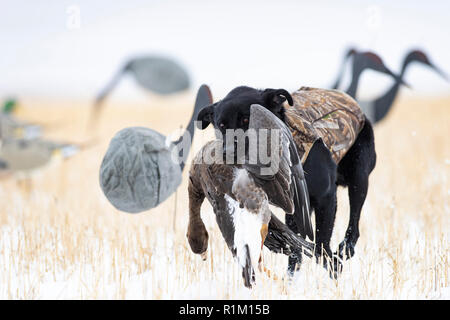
[60, 238]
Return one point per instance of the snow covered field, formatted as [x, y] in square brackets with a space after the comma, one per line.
[60, 238]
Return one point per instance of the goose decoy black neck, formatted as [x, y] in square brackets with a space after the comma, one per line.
[367, 60]
[156, 74]
[421, 57]
[98, 103]
[383, 104]
[350, 52]
[203, 99]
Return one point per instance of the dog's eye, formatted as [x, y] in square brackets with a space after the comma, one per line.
[221, 125]
[245, 120]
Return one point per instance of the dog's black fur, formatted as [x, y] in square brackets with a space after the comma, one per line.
[321, 172]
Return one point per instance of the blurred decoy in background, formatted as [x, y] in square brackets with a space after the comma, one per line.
[366, 61]
[9, 106]
[21, 151]
[11, 128]
[377, 109]
[349, 53]
[204, 98]
[138, 171]
[156, 74]
[24, 157]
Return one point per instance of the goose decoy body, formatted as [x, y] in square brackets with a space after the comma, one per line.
[156, 74]
[240, 196]
[24, 157]
[139, 170]
[11, 128]
[377, 109]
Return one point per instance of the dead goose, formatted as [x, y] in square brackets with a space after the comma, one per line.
[240, 196]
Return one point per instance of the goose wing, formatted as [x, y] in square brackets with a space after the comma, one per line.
[282, 177]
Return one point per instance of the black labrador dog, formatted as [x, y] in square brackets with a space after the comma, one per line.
[322, 173]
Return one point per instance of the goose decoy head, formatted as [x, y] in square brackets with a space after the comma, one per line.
[420, 56]
[9, 106]
[370, 60]
[157, 74]
[350, 52]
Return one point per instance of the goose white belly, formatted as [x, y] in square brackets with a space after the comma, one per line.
[247, 231]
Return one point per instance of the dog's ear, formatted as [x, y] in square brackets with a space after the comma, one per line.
[274, 98]
[205, 116]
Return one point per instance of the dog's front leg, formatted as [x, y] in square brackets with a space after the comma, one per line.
[196, 232]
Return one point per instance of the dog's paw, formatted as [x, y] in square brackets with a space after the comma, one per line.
[346, 250]
[336, 267]
[294, 264]
[332, 263]
[198, 238]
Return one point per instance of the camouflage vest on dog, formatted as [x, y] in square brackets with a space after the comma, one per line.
[331, 115]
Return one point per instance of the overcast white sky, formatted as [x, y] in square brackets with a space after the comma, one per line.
[222, 43]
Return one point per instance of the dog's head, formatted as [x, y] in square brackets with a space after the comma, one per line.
[233, 112]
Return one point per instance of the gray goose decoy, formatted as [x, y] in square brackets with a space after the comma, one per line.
[156, 74]
[376, 110]
[240, 196]
[138, 171]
